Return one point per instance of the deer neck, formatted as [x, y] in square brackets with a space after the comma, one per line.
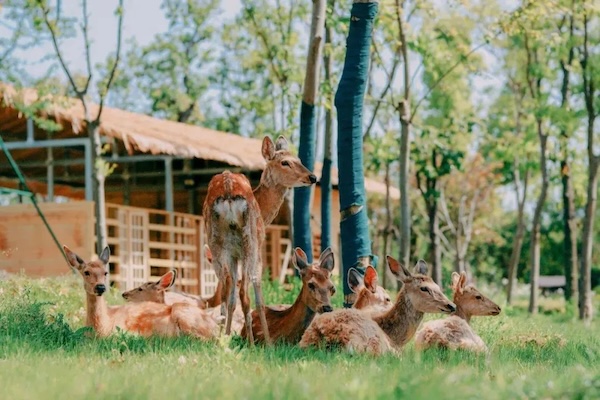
[269, 196]
[292, 322]
[401, 322]
[97, 315]
[462, 313]
[362, 299]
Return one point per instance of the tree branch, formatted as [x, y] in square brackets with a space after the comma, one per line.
[86, 40]
[111, 76]
[444, 75]
[46, 11]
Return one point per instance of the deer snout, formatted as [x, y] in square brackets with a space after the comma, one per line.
[450, 307]
[125, 295]
[326, 309]
[100, 289]
[497, 310]
[312, 178]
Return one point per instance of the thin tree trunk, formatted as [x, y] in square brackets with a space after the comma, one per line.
[515, 256]
[328, 145]
[585, 294]
[388, 223]
[571, 266]
[434, 242]
[405, 122]
[98, 187]
[536, 225]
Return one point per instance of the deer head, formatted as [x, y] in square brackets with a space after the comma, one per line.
[424, 294]
[469, 299]
[369, 293]
[152, 291]
[317, 287]
[282, 167]
[94, 273]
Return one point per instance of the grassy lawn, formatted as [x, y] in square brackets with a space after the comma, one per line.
[45, 353]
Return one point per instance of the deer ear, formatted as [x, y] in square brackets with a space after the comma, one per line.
[421, 267]
[455, 281]
[268, 148]
[281, 144]
[371, 278]
[299, 259]
[167, 280]
[327, 261]
[105, 255]
[208, 254]
[399, 270]
[74, 259]
[355, 280]
[463, 280]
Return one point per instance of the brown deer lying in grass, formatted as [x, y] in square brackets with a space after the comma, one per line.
[363, 332]
[235, 218]
[145, 318]
[455, 332]
[369, 295]
[158, 292]
[289, 324]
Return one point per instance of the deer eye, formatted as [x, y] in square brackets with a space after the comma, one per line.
[311, 286]
[478, 297]
[388, 300]
[139, 289]
[424, 289]
[106, 273]
[285, 163]
[87, 273]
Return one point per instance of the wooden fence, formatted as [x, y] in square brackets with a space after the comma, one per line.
[145, 244]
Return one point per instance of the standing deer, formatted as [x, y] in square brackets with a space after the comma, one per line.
[363, 332]
[369, 295]
[144, 318]
[455, 332]
[289, 324]
[235, 218]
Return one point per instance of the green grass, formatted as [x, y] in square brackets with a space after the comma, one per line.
[45, 353]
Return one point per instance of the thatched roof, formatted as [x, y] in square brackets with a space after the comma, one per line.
[145, 134]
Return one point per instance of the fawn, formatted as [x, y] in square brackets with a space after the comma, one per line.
[455, 332]
[145, 318]
[158, 292]
[369, 295]
[363, 332]
[235, 218]
[289, 324]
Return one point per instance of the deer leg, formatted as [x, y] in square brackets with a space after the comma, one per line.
[258, 298]
[232, 298]
[246, 309]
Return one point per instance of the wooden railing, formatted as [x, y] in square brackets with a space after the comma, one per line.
[146, 243]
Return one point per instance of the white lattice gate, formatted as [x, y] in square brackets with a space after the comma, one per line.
[133, 247]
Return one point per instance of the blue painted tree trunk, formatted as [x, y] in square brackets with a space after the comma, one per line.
[302, 206]
[354, 225]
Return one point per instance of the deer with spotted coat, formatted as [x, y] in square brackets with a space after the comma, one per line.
[235, 217]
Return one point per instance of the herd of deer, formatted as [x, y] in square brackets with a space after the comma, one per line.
[235, 216]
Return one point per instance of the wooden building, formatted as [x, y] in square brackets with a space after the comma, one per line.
[154, 194]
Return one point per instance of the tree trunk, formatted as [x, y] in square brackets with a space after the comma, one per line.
[308, 135]
[515, 256]
[569, 228]
[388, 224]
[328, 145]
[405, 121]
[98, 186]
[536, 225]
[585, 291]
[349, 98]
[435, 248]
